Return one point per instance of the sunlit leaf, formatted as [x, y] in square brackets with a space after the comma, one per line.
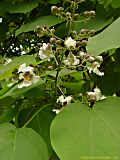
[106, 40]
[80, 133]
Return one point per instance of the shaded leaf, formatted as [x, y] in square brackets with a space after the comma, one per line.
[41, 123]
[97, 23]
[21, 143]
[7, 109]
[44, 20]
[23, 7]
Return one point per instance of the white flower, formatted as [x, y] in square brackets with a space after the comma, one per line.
[21, 46]
[57, 111]
[63, 100]
[28, 76]
[24, 69]
[82, 54]
[45, 52]
[93, 67]
[96, 95]
[23, 53]
[71, 60]
[17, 48]
[68, 99]
[0, 20]
[8, 61]
[99, 58]
[69, 42]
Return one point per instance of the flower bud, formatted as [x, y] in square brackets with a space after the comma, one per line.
[84, 42]
[38, 27]
[91, 59]
[99, 58]
[52, 30]
[68, 14]
[91, 96]
[75, 15]
[86, 13]
[82, 54]
[83, 31]
[54, 9]
[52, 40]
[58, 41]
[92, 12]
[60, 9]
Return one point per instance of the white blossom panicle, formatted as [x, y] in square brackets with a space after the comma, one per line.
[71, 60]
[28, 76]
[63, 100]
[45, 52]
[0, 20]
[69, 42]
[96, 95]
[93, 67]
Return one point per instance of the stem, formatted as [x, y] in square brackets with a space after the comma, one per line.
[34, 115]
[58, 70]
[70, 22]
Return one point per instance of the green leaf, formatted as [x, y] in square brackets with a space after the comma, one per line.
[44, 20]
[23, 7]
[106, 40]
[21, 143]
[41, 123]
[15, 92]
[7, 109]
[3, 30]
[110, 83]
[80, 133]
[115, 4]
[53, 1]
[6, 70]
[97, 23]
[74, 86]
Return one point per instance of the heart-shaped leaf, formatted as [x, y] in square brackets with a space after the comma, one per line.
[21, 143]
[81, 134]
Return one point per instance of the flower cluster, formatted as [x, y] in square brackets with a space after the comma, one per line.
[27, 75]
[95, 95]
[71, 60]
[63, 101]
[69, 42]
[45, 52]
[93, 63]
